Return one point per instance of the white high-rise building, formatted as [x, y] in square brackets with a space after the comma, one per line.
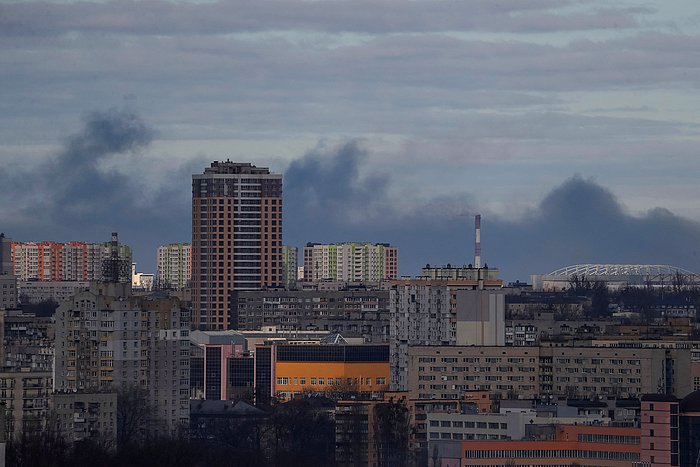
[352, 262]
[174, 266]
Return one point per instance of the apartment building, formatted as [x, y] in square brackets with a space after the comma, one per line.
[25, 395]
[353, 262]
[543, 372]
[86, 416]
[174, 266]
[353, 311]
[290, 262]
[443, 312]
[8, 292]
[236, 237]
[40, 291]
[26, 362]
[106, 338]
[72, 261]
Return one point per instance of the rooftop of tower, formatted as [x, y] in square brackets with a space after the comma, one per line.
[228, 167]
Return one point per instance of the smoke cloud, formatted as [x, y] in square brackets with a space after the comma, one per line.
[579, 221]
[331, 194]
[79, 194]
[326, 197]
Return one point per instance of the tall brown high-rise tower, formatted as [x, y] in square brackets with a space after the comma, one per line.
[236, 237]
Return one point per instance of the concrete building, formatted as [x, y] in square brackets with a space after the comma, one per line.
[355, 443]
[290, 262]
[480, 317]
[353, 311]
[546, 373]
[141, 281]
[8, 282]
[236, 237]
[86, 416]
[352, 262]
[40, 291]
[73, 261]
[455, 273]
[174, 262]
[8, 292]
[26, 361]
[442, 313]
[27, 342]
[25, 396]
[5, 255]
[106, 338]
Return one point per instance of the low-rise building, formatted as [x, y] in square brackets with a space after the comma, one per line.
[589, 445]
[286, 370]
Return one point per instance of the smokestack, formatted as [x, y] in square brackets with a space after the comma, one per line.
[477, 241]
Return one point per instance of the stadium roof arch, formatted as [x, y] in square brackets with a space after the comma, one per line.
[651, 270]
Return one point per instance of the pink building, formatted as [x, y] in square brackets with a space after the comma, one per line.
[660, 434]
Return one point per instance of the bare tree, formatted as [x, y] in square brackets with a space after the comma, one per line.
[134, 415]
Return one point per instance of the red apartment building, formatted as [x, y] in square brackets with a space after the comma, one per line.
[236, 237]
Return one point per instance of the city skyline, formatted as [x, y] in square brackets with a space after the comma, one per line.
[408, 117]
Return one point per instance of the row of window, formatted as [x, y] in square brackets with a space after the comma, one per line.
[550, 454]
[321, 381]
[463, 424]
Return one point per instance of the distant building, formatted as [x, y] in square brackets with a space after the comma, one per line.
[40, 291]
[5, 255]
[547, 372]
[353, 262]
[615, 276]
[141, 281]
[174, 266]
[229, 366]
[84, 416]
[106, 338]
[26, 361]
[8, 292]
[227, 357]
[442, 312]
[290, 262]
[286, 370]
[350, 311]
[572, 445]
[25, 396]
[236, 237]
[73, 261]
[454, 273]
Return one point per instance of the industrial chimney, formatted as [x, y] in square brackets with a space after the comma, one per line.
[477, 241]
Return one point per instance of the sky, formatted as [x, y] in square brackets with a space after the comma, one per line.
[571, 126]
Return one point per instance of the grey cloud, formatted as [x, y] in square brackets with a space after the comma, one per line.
[365, 16]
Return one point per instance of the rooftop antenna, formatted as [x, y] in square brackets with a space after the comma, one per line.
[477, 241]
